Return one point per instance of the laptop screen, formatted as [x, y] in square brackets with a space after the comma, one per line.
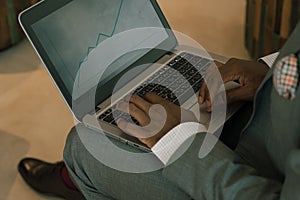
[80, 43]
[72, 37]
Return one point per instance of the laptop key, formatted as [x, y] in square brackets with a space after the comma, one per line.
[109, 118]
[102, 116]
[114, 123]
[198, 85]
[165, 82]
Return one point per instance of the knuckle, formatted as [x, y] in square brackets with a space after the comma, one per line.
[133, 98]
[123, 106]
[132, 108]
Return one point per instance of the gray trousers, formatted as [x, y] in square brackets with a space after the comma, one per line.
[97, 181]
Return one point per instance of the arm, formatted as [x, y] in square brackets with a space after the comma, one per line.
[290, 189]
[220, 175]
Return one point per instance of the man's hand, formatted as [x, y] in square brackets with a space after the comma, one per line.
[155, 115]
[249, 74]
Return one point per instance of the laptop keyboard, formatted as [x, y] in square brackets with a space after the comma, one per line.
[166, 82]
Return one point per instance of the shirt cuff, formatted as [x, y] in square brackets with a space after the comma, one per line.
[270, 59]
[167, 145]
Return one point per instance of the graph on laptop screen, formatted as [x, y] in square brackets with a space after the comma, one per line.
[73, 36]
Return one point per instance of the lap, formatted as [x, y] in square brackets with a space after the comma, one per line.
[99, 181]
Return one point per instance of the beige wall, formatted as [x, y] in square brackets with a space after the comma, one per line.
[218, 25]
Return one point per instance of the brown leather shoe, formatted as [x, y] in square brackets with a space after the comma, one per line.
[46, 178]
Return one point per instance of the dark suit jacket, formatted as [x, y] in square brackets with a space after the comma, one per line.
[266, 163]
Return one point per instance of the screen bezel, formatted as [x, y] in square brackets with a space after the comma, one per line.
[82, 104]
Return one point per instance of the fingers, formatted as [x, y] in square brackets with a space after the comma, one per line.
[202, 93]
[204, 97]
[208, 105]
[139, 108]
[231, 71]
[228, 72]
[130, 128]
[158, 115]
[154, 99]
[139, 132]
[207, 94]
[141, 116]
[141, 103]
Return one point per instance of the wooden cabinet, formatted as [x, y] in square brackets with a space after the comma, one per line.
[269, 24]
[10, 31]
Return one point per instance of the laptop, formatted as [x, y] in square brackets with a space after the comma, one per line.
[99, 51]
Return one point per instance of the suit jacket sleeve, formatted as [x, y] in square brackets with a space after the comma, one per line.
[291, 187]
[224, 175]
